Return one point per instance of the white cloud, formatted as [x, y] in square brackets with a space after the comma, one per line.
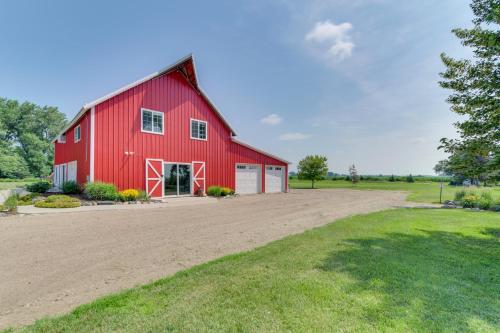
[332, 40]
[272, 119]
[294, 136]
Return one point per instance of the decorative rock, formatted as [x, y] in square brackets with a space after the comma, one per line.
[105, 202]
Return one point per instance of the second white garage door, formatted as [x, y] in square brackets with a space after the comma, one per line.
[274, 179]
[248, 179]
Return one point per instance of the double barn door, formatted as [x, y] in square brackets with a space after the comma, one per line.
[174, 178]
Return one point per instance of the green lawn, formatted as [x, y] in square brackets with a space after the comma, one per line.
[419, 191]
[402, 270]
[8, 184]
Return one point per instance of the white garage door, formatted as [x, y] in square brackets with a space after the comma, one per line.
[274, 179]
[247, 178]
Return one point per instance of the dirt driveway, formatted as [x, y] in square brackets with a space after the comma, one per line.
[51, 263]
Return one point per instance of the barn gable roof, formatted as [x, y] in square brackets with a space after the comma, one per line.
[184, 65]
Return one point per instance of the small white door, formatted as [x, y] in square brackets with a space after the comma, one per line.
[274, 179]
[248, 179]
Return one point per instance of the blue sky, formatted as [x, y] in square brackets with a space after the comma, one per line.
[355, 80]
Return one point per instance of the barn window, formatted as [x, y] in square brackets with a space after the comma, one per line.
[151, 121]
[78, 133]
[62, 138]
[198, 129]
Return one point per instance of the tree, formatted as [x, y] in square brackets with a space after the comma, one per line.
[312, 168]
[392, 179]
[475, 86]
[353, 174]
[26, 132]
[410, 179]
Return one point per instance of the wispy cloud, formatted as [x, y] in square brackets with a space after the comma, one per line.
[272, 119]
[294, 136]
[332, 40]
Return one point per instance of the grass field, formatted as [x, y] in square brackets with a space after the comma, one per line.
[419, 191]
[405, 270]
[8, 184]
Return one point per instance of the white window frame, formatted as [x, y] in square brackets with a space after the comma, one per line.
[153, 112]
[79, 134]
[191, 129]
[61, 138]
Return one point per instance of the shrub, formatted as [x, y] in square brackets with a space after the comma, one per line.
[128, 195]
[58, 201]
[60, 197]
[71, 187]
[214, 191]
[485, 201]
[409, 179]
[392, 178]
[460, 195]
[10, 205]
[225, 191]
[470, 201]
[38, 187]
[143, 196]
[27, 199]
[101, 191]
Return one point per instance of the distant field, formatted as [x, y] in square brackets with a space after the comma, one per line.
[6, 184]
[419, 191]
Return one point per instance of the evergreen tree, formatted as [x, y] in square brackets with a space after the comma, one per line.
[475, 86]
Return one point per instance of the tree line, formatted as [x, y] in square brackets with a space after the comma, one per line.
[26, 134]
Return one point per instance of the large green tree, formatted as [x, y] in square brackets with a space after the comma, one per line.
[312, 168]
[26, 132]
[475, 86]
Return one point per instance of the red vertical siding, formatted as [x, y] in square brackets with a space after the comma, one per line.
[79, 151]
[121, 148]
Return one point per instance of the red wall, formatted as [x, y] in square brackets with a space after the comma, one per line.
[118, 130]
[80, 151]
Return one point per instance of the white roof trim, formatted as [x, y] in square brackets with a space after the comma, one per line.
[259, 150]
[92, 104]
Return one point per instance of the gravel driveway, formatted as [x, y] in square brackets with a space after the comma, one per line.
[51, 263]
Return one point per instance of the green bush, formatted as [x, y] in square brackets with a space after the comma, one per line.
[38, 187]
[10, 205]
[485, 201]
[214, 191]
[57, 204]
[71, 187]
[58, 201]
[26, 200]
[225, 191]
[143, 196]
[101, 191]
[460, 195]
[470, 201]
[409, 179]
[60, 197]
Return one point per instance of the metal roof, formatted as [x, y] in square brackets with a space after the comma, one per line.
[244, 144]
[172, 67]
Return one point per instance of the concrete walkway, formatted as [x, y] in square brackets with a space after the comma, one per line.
[166, 203]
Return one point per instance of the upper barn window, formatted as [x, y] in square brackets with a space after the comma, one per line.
[198, 129]
[151, 121]
[78, 133]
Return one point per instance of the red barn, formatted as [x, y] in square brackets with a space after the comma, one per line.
[162, 134]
